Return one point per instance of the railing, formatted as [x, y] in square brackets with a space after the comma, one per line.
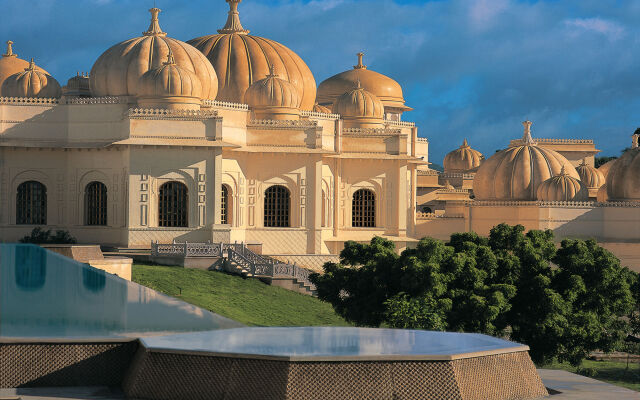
[238, 253]
[518, 142]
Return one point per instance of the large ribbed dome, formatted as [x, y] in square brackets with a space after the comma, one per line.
[241, 59]
[516, 172]
[604, 168]
[590, 176]
[385, 88]
[562, 188]
[623, 179]
[462, 159]
[117, 71]
[10, 64]
[359, 108]
[32, 82]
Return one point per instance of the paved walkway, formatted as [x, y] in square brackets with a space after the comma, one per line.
[572, 386]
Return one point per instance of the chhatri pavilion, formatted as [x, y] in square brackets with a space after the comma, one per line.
[226, 137]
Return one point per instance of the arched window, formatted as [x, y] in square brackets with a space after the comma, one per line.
[95, 203]
[31, 204]
[173, 205]
[277, 201]
[225, 203]
[363, 209]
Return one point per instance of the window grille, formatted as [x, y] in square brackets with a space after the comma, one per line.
[276, 207]
[224, 205]
[95, 203]
[31, 204]
[363, 209]
[172, 205]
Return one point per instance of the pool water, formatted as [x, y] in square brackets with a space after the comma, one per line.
[46, 295]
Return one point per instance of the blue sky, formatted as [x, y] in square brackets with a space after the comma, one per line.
[470, 68]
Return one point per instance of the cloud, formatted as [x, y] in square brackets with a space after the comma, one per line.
[484, 13]
[610, 29]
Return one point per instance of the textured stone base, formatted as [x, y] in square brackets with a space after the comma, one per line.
[164, 375]
[64, 364]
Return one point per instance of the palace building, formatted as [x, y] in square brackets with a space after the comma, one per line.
[227, 137]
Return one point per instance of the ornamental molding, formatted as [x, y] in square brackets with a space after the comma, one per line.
[370, 132]
[457, 175]
[225, 105]
[431, 172]
[283, 124]
[518, 142]
[404, 124]
[96, 100]
[314, 114]
[161, 113]
[567, 204]
[29, 101]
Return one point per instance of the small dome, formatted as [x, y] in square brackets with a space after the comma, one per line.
[462, 159]
[10, 64]
[359, 109]
[118, 70]
[623, 179]
[515, 173]
[31, 82]
[241, 59]
[321, 109]
[273, 98]
[590, 176]
[562, 188]
[386, 89]
[604, 168]
[77, 86]
[602, 195]
[170, 86]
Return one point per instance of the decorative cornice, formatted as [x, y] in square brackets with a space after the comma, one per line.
[431, 172]
[456, 175]
[370, 132]
[29, 101]
[160, 113]
[404, 124]
[421, 215]
[517, 142]
[314, 114]
[96, 100]
[282, 124]
[225, 105]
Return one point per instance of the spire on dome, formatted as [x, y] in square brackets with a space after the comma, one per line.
[170, 59]
[464, 143]
[584, 162]
[233, 24]
[154, 27]
[9, 52]
[563, 171]
[272, 71]
[32, 65]
[360, 65]
[358, 84]
[526, 138]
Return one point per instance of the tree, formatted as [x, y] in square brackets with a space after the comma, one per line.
[564, 303]
[40, 236]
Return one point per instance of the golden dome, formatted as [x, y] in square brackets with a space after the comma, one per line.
[241, 59]
[623, 179]
[170, 86]
[321, 109]
[604, 168]
[31, 82]
[385, 88]
[515, 173]
[77, 86]
[118, 70]
[562, 188]
[462, 159]
[359, 109]
[590, 176]
[602, 195]
[10, 64]
[273, 98]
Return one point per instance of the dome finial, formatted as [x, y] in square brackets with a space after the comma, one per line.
[584, 161]
[9, 52]
[154, 27]
[563, 171]
[32, 65]
[464, 143]
[358, 84]
[272, 71]
[170, 59]
[233, 24]
[360, 65]
[526, 138]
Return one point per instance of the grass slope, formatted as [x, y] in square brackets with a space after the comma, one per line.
[614, 372]
[247, 301]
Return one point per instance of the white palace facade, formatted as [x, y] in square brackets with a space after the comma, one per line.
[228, 138]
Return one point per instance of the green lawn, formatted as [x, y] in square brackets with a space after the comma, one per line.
[247, 301]
[614, 372]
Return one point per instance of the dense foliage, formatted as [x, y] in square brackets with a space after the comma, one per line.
[563, 302]
[40, 236]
